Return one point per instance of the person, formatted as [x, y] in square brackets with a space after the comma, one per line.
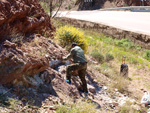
[79, 65]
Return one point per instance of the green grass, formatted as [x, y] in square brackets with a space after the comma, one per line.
[45, 6]
[118, 48]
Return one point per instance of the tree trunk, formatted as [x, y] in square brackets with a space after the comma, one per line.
[51, 7]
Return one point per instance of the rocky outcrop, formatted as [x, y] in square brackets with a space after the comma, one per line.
[23, 17]
[22, 52]
[27, 59]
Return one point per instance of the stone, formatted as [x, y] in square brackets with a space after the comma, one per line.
[105, 87]
[23, 16]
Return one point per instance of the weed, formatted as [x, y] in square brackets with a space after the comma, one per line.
[98, 56]
[120, 83]
[109, 57]
[69, 7]
[146, 55]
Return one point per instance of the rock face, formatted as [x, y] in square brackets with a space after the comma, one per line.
[28, 59]
[22, 16]
[98, 4]
[22, 52]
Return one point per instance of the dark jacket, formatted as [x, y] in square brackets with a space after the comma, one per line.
[77, 54]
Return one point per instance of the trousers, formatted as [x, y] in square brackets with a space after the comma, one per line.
[81, 69]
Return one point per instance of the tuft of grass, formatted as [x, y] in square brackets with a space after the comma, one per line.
[120, 83]
[79, 107]
[98, 56]
[146, 55]
[128, 108]
[109, 57]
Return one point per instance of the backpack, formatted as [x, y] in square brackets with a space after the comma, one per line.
[124, 68]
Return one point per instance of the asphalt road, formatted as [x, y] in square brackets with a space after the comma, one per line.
[131, 21]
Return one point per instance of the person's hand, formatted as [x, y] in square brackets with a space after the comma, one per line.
[63, 58]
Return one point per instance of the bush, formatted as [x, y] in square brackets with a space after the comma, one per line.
[124, 43]
[98, 56]
[69, 34]
[109, 57]
[147, 55]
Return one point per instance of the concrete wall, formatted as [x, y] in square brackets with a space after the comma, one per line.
[138, 38]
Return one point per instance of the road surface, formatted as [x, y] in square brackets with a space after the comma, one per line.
[131, 21]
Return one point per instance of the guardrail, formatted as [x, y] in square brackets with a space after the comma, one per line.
[131, 8]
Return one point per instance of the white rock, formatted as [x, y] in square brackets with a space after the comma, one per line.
[105, 87]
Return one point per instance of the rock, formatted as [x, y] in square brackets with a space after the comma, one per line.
[54, 63]
[105, 87]
[115, 104]
[23, 16]
[16, 63]
[91, 89]
[18, 18]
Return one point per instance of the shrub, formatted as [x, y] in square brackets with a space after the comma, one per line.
[124, 43]
[147, 55]
[69, 34]
[109, 57]
[98, 56]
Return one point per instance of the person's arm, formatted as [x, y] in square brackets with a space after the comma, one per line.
[69, 56]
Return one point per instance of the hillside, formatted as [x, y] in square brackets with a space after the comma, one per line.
[33, 75]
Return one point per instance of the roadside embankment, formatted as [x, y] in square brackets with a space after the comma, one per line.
[138, 38]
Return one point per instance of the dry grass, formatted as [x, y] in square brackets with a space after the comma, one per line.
[79, 107]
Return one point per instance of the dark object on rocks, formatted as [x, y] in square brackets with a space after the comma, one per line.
[124, 68]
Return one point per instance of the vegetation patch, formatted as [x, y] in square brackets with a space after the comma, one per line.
[69, 34]
[79, 107]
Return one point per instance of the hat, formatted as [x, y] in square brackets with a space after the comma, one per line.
[74, 44]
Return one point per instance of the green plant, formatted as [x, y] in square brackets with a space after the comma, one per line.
[124, 43]
[98, 56]
[69, 7]
[146, 55]
[109, 57]
[69, 34]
